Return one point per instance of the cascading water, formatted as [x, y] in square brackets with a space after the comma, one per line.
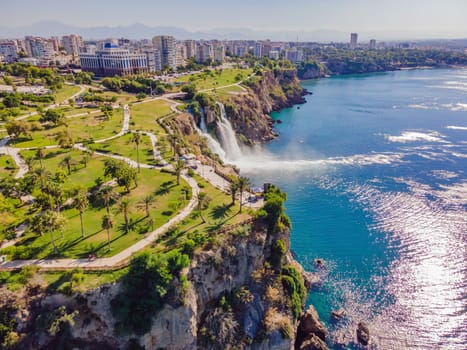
[213, 144]
[227, 137]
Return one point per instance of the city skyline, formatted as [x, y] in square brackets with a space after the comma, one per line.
[401, 19]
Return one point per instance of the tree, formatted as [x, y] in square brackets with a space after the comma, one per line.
[64, 139]
[53, 222]
[43, 175]
[179, 166]
[108, 194]
[108, 111]
[140, 96]
[173, 142]
[233, 189]
[146, 202]
[107, 224]
[190, 91]
[124, 208]
[82, 204]
[17, 127]
[243, 183]
[40, 154]
[136, 139]
[67, 162]
[54, 116]
[203, 202]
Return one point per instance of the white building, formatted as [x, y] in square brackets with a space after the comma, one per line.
[274, 54]
[204, 52]
[40, 47]
[258, 51]
[9, 50]
[190, 46]
[113, 60]
[72, 44]
[167, 47]
[372, 45]
[219, 53]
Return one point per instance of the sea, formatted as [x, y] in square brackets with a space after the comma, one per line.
[375, 169]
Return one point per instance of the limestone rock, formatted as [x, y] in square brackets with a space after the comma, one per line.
[313, 342]
[363, 333]
[310, 323]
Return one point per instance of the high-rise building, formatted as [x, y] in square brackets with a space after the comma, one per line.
[258, 51]
[204, 52]
[180, 56]
[166, 45]
[113, 60]
[353, 40]
[372, 45]
[190, 46]
[40, 47]
[9, 50]
[219, 53]
[72, 44]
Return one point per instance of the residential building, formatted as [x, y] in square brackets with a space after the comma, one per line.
[167, 47]
[9, 50]
[40, 47]
[258, 50]
[204, 52]
[219, 52]
[113, 60]
[353, 40]
[72, 44]
[372, 45]
[294, 55]
[274, 54]
[180, 56]
[190, 46]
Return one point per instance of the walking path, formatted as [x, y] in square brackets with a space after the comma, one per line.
[205, 171]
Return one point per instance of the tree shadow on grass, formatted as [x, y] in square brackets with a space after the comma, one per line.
[220, 211]
[164, 188]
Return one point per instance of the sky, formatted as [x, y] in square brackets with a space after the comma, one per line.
[438, 17]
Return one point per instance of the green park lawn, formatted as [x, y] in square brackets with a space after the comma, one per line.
[218, 213]
[94, 126]
[168, 200]
[66, 92]
[124, 146]
[144, 116]
[210, 80]
[8, 167]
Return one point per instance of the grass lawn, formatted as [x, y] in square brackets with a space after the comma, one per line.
[69, 111]
[219, 212]
[168, 200]
[122, 97]
[83, 128]
[66, 92]
[144, 116]
[227, 91]
[209, 80]
[125, 147]
[8, 166]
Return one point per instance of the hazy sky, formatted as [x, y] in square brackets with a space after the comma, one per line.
[442, 17]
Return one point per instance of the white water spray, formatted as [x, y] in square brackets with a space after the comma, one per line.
[228, 137]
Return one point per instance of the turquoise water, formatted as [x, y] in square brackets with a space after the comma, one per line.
[375, 171]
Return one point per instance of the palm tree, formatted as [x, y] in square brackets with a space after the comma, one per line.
[179, 166]
[243, 183]
[108, 194]
[136, 139]
[66, 162]
[40, 154]
[53, 221]
[124, 208]
[203, 201]
[43, 175]
[173, 141]
[146, 202]
[82, 203]
[107, 224]
[233, 189]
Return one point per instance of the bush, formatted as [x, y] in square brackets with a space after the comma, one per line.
[294, 284]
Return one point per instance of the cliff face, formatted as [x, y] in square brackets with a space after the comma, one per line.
[248, 112]
[236, 300]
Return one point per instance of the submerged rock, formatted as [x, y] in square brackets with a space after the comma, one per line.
[363, 333]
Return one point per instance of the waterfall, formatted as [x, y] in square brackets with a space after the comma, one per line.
[228, 137]
[213, 144]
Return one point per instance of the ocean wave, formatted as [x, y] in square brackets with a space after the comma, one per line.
[451, 87]
[414, 136]
[454, 127]
[270, 163]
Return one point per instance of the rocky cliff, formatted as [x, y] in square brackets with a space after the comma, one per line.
[240, 296]
[248, 112]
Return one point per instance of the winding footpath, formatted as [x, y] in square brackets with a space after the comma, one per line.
[116, 260]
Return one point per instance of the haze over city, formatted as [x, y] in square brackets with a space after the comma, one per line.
[309, 20]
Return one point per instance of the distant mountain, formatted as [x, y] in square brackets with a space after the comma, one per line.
[140, 31]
